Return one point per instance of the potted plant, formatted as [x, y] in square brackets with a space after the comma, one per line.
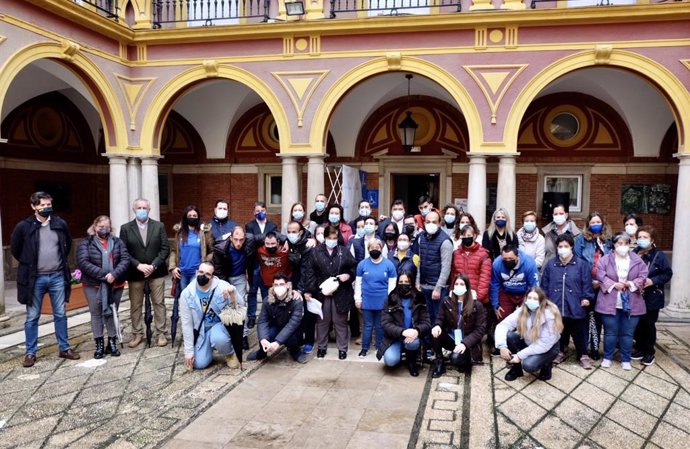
[77, 298]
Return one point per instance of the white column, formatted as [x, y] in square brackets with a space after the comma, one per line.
[133, 183]
[3, 315]
[149, 184]
[505, 192]
[119, 203]
[679, 305]
[476, 189]
[290, 187]
[315, 174]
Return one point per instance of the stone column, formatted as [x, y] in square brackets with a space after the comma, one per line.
[119, 203]
[315, 176]
[505, 192]
[476, 189]
[290, 193]
[3, 314]
[149, 184]
[679, 305]
[133, 183]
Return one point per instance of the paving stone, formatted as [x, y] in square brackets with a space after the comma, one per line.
[656, 385]
[682, 398]
[311, 437]
[522, 411]
[367, 440]
[564, 380]
[209, 430]
[543, 394]
[270, 435]
[632, 418]
[608, 382]
[577, 415]
[670, 437]
[551, 432]
[645, 400]
[435, 436]
[678, 416]
[446, 426]
[611, 435]
[388, 421]
[593, 397]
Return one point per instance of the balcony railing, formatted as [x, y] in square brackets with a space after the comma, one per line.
[208, 12]
[107, 8]
[393, 7]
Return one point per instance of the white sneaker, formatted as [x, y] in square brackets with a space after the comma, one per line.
[626, 366]
[606, 363]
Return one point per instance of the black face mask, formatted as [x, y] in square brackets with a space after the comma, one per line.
[389, 236]
[103, 233]
[45, 212]
[272, 250]
[194, 222]
[404, 289]
[202, 280]
[375, 253]
[409, 229]
[510, 264]
[467, 241]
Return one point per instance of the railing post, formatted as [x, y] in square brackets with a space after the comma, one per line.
[142, 14]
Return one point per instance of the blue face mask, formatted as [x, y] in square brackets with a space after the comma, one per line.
[369, 229]
[319, 206]
[298, 215]
[644, 243]
[360, 232]
[596, 228]
[450, 219]
[500, 223]
[335, 219]
[331, 243]
[261, 216]
[142, 214]
[529, 226]
[292, 237]
[532, 304]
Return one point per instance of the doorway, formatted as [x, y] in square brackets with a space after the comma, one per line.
[409, 187]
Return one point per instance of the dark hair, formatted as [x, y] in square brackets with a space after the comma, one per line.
[648, 229]
[340, 208]
[260, 203]
[637, 218]
[565, 237]
[371, 217]
[510, 248]
[398, 202]
[467, 301]
[36, 197]
[363, 201]
[467, 228]
[473, 223]
[184, 229]
[605, 231]
[330, 230]
[281, 277]
[358, 219]
[395, 231]
[270, 235]
[301, 226]
[221, 200]
[423, 199]
[565, 207]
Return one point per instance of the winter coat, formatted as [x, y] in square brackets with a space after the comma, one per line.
[472, 330]
[585, 248]
[220, 227]
[298, 253]
[567, 285]
[492, 244]
[222, 257]
[475, 263]
[90, 260]
[155, 252]
[285, 315]
[548, 336]
[320, 266]
[24, 247]
[393, 320]
[660, 273]
[434, 268]
[607, 275]
[550, 236]
[191, 312]
[534, 247]
[515, 282]
[206, 246]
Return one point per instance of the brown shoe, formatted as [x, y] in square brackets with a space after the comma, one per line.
[162, 341]
[69, 354]
[135, 341]
[559, 358]
[585, 362]
[29, 360]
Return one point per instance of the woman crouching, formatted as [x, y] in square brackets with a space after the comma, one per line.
[529, 337]
[460, 326]
[405, 320]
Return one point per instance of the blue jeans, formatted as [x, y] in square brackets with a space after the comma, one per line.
[392, 355]
[372, 321]
[215, 338]
[619, 328]
[257, 283]
[433, 306]
[186, 279]
[54, 285]
[532, 363]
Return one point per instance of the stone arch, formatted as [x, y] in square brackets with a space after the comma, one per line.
[668, 84]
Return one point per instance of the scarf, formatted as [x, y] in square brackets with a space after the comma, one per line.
[105, 292]
[529, 236]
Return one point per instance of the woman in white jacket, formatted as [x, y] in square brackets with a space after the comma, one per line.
[529, 337]
[530, 239]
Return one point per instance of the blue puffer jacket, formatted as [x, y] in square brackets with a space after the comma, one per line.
[660, 273]
[567, 285]
[430, 257]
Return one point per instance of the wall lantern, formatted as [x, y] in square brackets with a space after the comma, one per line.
[294, 8]
[408, 127]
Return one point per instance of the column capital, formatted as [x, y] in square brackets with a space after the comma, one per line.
[150, 160]
[508, 156]
[288, 158]
[682, 157]
[116, 157]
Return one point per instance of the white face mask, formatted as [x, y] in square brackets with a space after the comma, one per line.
[532, 304]
[403, 245]
[431, 228]
[280, 291]
[559, 219]
[459, 290]
[630, 229]
[564, 253]
[331, 243]
[622, 250]
[364, 212]
[319, 238]
[398, 215]
[222, 214]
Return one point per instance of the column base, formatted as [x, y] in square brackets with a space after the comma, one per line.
[674, 315]
[4, 317]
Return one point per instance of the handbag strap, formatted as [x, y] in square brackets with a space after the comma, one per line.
[203, 315]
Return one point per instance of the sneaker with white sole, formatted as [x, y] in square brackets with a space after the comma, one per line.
[606, 363]
[648, 359]
[626, 366]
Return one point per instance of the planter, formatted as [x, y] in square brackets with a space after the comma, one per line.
[77, 300]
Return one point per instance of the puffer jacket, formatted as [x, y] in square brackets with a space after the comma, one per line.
[660, 273]
[285, 315]
[393, 320]
[475, 263]
[473, 329]
[320, 266]
[90, 261]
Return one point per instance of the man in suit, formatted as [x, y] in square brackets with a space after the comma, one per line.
[258, 227]
[148, 247]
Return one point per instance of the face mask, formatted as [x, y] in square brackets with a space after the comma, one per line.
[194, 222]
[424, 212]
[404, 289]
[450, 219]
[529, 226]
[202, 280]
[142, 214]
[403, 245]
[467, 241]
[644, 243]
[398, 215]
[630, 229]
[331, 243]
[622, 250]
[510, 264]
[360, 232]
[364, 212]
[532, 304]
[369, 229]
[293, 237]
[375, 253]
[564, 253]
[261, 216]
[409, 229]
[500, 223]
[298, 215]
[103, 233]
[334, 218]
[319, 238]
[221, 214]
[559, 219]
[389, 236]
[459, 290]
[319, 206]
[280, 291]
[431, 228]
[272, 249]
[596, 228]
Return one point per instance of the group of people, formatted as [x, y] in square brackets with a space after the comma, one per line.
[423, 286]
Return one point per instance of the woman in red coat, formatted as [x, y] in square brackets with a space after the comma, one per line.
[472, 260]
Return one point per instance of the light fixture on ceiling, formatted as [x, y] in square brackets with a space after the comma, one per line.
[408, 127]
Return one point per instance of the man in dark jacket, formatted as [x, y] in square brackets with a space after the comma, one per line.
[41, 244]
[279, 321]
[148, 247]
[258, 227]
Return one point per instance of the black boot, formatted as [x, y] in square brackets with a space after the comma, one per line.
[245, 343]
[100, 350]
[545, 373]
[514, 373]
[411, 357]
[111, 348]
[439, 367]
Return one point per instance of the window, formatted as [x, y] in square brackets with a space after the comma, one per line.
[273, 190]
[565, 126]
[571, 184]
[165, 199]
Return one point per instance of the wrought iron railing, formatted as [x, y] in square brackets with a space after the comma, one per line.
[208, 12]
[107, 8]
[577, 3]
[392, 7]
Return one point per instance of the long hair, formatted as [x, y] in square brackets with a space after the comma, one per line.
[184, 229]
[456, 223]
[544, 304]
[491, 229]
[91, 230]
[605, 232]
[467, 299]
[473, 223]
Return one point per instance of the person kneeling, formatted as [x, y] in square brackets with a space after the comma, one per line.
[202, 330]
[279, 322]
[529, 337]
[460, 326]
[404, 320]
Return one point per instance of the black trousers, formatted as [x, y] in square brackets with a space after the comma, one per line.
[578, 329]
[645, 332]
[462, 361]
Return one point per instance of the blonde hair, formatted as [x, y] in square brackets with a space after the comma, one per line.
[544, 305]
[91, 230]
[491, 230]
